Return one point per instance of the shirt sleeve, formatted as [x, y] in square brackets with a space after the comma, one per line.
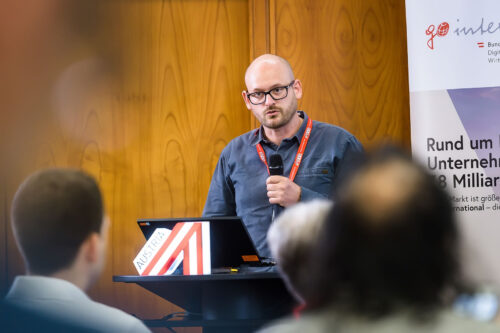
[308, 195]
[348, 162]
[220, 200]
[139, 327]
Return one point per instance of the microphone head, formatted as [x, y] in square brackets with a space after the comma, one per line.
[275, 165]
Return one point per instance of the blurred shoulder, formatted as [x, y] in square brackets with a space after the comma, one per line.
[110, 318]
[311, 323]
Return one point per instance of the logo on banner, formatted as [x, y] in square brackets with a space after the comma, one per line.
[463, 30]
[441, 31]
[187, 243]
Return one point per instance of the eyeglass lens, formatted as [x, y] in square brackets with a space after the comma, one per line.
[276, 93]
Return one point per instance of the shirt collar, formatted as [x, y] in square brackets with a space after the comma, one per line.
[33, 286]
[258, 135]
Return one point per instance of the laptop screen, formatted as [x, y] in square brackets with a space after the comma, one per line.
[230, 243]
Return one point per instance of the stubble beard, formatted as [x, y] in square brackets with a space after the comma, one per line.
[274, 123]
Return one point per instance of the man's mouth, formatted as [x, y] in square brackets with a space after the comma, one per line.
[272, 112]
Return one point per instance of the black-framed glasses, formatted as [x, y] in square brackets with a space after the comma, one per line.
[277, 93]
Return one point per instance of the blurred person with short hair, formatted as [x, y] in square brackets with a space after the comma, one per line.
[292, 238]
[387, 258]
[61, 230]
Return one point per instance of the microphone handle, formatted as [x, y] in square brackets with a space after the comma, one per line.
[275, 212]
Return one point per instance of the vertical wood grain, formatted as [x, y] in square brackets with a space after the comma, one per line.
[179, 99]
[3, 236]
[259, 34]
[151, 124]
[351, 58]
[150, 133]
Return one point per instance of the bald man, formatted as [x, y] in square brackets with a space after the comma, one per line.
[313, 154]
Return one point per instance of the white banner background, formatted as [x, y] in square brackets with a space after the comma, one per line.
[454, 73]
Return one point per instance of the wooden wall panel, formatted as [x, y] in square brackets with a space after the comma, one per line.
[151, 123]
[180, 101]
[260, 35]
[150, 128]
[351, 58]
[3, 237]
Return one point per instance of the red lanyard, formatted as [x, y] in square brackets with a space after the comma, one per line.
[300, 152]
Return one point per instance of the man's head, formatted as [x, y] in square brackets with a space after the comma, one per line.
[57, 218]
[391, 241]
[270, 73]
[292, 238]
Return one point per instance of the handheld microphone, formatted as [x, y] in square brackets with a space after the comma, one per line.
[275, 169]
[275, 165]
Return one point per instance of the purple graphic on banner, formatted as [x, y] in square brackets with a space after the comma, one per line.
[479, 111]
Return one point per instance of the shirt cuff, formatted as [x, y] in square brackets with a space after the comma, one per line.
[308, 195]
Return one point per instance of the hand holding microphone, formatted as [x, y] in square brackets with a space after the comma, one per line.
[280, 190]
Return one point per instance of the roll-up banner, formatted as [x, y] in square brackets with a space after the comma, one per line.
[454, 74]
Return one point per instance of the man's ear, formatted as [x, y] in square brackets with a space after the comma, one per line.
[91, 248]
[297, 88]
[245, 98]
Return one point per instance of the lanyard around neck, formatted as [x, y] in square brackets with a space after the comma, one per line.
[300, 151]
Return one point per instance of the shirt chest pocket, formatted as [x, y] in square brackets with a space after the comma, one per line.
[317, 179]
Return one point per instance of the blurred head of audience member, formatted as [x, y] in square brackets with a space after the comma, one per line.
[292, 238]
[387, 256]
[390, 243]
[60, 228]
[59, 225]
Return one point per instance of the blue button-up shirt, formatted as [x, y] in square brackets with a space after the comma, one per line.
[238, 187]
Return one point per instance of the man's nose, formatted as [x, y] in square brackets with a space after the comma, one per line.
[268, 100]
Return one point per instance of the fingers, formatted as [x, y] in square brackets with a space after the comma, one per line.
[275, 179]
[275, 197]
[274, 194]
[273, 201]
[275, 187]
[275, 183]
[282, 191]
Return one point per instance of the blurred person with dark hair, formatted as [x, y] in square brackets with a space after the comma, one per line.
[387, 258]
[292, 238]
[61, 230]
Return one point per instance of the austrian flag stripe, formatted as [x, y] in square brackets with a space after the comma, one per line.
[187, 241]
[154, 265]
[177, 246]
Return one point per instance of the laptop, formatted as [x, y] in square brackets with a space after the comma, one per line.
[230, 243]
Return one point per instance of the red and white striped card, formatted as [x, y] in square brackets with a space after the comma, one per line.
[187, 242]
